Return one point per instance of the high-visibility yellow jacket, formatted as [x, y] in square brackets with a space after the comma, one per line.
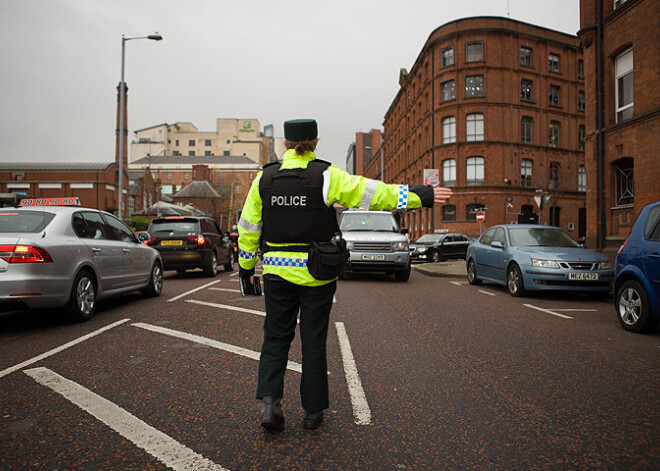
[350, 191]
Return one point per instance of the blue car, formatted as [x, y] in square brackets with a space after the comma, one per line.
[637, 273]
[526, 257]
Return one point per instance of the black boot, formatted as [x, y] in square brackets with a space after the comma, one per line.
[312, 420]
[271, 413]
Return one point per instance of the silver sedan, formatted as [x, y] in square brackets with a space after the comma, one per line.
[72, 257]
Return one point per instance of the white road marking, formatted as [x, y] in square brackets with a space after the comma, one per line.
[212, 343]
[486, 292]
[548, 311]
[234, 274]
[226, 289]
[227, 306]
[458, 283]
[334, 298]
[153, 441]
[11, 369]
[361, 410]
[193, 290]
[576, 310]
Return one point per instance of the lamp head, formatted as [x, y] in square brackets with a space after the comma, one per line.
[155, 37]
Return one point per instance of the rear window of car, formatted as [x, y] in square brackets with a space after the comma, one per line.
[24, 221]
[652, 228]
[174, 225]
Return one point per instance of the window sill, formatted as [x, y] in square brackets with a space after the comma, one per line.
[531, 102]
[556, 106]
[475, 96]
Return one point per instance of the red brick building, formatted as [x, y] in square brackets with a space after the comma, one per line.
[497, 107]
[365, 151]
[623, 167]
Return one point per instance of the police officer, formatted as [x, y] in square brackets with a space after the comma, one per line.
[289, 209]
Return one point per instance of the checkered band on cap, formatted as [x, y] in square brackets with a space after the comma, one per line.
[284, 262]
[402, 202]
[247, 255]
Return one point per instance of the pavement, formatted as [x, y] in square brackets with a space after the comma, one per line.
[449, 268]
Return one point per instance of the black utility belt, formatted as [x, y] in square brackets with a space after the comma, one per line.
[325, 261]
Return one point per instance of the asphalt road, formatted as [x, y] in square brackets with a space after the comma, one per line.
[432, 374]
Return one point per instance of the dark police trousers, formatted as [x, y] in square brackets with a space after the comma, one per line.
[283, 300]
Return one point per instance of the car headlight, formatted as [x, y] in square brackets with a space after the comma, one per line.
[544, 263]
[401, 245]
[349, 245]
[604, 265]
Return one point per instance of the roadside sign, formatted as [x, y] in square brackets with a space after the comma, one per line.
[481, 216]
[431, 176]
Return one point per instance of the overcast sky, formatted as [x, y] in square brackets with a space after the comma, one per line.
[337, 61]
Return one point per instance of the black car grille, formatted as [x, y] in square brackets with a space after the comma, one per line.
[372, 247]
[578, 265]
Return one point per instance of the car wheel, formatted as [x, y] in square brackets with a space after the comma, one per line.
[435, 256]
[514, 281]
[155, 285]
[82, 302]
[212, 268]
[229, 266]
[402, 275]
[472, 273]
[633, 308]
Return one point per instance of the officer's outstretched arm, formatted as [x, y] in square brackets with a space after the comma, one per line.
[249, 229]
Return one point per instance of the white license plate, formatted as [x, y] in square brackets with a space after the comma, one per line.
[583, 276]
[373, 256]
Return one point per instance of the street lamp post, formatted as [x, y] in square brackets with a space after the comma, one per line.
[122, 107]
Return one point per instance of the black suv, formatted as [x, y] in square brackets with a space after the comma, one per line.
[439, 246]
[186, 243]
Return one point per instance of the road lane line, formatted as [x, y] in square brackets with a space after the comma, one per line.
[548, 311]
[334, 298]
[361, 410]
[486, 292]
[576, 310]
[226, 289]
[153, 441]
[211, 343]
[60, 348]
[458, 283]
[193, 290]
[227, 306]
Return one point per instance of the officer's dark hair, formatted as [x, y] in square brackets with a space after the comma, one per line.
[302, 147]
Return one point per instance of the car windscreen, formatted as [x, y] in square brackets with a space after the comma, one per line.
[429, 238]
[173, 225]
[368, 222]
[24, 221]
[540, 237]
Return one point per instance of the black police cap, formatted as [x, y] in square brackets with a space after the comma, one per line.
[300, 130]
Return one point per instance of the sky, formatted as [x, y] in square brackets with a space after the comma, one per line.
[336, 61]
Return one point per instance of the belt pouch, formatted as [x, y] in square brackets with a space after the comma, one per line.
[325, 261]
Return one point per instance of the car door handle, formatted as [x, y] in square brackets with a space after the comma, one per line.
[654, 255]
[96, 250]
[127, 250]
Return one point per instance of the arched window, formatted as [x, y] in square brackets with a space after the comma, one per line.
[624, 182]
[449, 172]
[448, 130]
[475, 170]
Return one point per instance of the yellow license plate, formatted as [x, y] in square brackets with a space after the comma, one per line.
[171, 242]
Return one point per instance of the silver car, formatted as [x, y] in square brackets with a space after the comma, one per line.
[72, 257]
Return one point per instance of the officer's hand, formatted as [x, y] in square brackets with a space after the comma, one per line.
[243, 273]
[441, 194]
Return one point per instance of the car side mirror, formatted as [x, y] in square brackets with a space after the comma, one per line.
[142, 236]
[497, 244]
[405, 230]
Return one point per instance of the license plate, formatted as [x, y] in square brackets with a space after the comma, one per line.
[583, 276]
[372, 256]
[171, 242]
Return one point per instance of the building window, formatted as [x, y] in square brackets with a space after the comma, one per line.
[526, 172]
[582, 178]
[474, 86]
[176, 152]
[525, 57]
[553, 62]
[449, 212]
[526, 90]
[474, 52]
[555, 212]
[580, 100]
[581, 135]
[471, 211]
[554, 95]
[191, 152]
[169, 175]
[474, 127]
[176, 142]
[553, 176]
[553, 134]
[448, 91]
[619, 3]
[449, 172]
[624, 188]
[580, 68]
[526, 130]
[475, 170]
[225, 152]
[207, 152]
[449, 130]
[207, 142]
[623, 85]
[448, 57]
[186, 175]
[191, 142]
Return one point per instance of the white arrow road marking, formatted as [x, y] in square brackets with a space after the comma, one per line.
[156, 443]
[60, 348]
[486, 292]
[361, 410]
[548, 311]
[226, 289]
[211, 343]
[193, 290]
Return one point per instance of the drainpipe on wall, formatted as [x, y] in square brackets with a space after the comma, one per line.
[432, 127]
[600, 115]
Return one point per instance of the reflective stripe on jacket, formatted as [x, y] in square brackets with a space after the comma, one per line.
[350, 191]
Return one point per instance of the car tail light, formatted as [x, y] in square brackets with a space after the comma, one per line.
[622, 246]
[24, 254]
[198, 239]
[150, 241]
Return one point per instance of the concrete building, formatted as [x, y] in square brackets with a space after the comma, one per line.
[497, 107]
[622, 128]
[231, 137]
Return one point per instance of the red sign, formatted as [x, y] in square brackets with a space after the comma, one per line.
[481, 216]
[69, 201]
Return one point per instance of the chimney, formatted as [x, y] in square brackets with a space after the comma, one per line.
[201, 172]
